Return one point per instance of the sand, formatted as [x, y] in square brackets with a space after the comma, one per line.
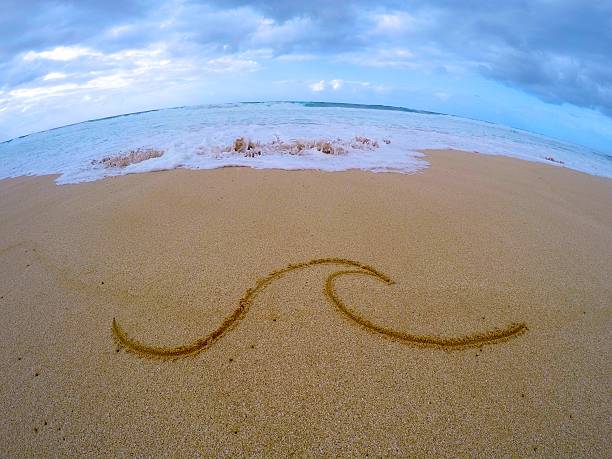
[473, 244]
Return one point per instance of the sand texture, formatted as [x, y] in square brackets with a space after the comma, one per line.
[464, 310]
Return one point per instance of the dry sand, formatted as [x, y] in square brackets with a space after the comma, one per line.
[473, 243]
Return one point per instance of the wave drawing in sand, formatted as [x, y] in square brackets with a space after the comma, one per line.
[350, 267]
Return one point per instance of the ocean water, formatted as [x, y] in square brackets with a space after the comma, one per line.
[195, 138]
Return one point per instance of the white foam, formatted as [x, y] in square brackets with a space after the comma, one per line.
[189, 136]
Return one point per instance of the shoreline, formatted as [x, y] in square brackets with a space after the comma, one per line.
[473, 242]
[493, 137]
[427, 152]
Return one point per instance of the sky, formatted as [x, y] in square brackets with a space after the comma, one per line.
[540, 65]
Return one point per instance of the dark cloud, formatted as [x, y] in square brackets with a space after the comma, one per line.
[36, 24]
[558, 50]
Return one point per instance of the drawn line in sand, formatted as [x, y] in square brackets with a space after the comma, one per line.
[451, 343]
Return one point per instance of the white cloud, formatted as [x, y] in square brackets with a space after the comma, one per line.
[336, 84]
[60, 53]
[318, 86]
[398, 26]
[108, 82]
[132, 54]
[153, 66]
[54, 76]
[43, 91]
[391, 22]
[112, 81]
[269, 32]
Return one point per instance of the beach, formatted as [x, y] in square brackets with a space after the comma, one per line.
[472, 243]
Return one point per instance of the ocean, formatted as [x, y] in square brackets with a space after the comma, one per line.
[277, 135]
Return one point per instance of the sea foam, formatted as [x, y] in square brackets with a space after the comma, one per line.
[279, 135]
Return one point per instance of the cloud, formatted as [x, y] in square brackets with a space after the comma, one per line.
[44, 91]
[393, 24]
[322, 85]
[54, 76]
[60, 53]
[88, 73]
[336, 84]
[38, 24]
[555, 78]
[318, 86]
[557, 50]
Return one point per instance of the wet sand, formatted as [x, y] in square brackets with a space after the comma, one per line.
[473, 244]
